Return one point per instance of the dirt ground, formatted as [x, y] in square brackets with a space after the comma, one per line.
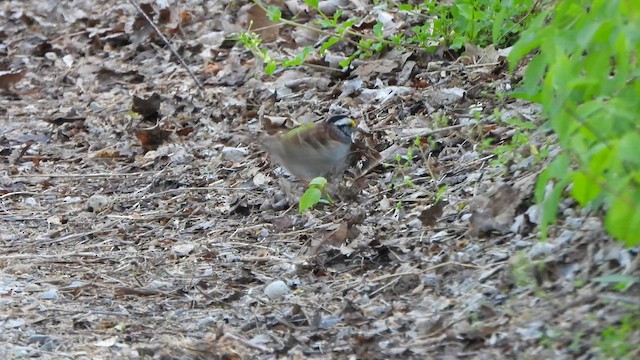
[135, 225]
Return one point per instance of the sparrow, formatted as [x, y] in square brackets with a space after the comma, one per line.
[317, 149]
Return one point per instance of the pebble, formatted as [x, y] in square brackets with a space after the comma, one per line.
[574, 223]
[30, 201]
[521, 244]
[234, 154]
[183, 249]
[276, 290]
[541, 248]
[415, 224]
[565, 237]
[13, 323]
[97, 203]
[499, 255]
[49, 294]
[207, 321]
[38, 339]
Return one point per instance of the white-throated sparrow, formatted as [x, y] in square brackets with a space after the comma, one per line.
[318, 149]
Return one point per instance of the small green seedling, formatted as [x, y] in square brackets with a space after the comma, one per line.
[313, 195]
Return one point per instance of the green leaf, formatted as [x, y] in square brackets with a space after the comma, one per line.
[312, 3]
[628, 149]
[584, 75]
[440, 192]
[327, 23]
[345, 63]
[558, 169]
[584, 189]
[273, 13]
[299, 59]
[622, 220]
[529, 41]
[318, 182]
[550, 205]
[309, 199]
[377, 29]
[329, 43]
[270, 68]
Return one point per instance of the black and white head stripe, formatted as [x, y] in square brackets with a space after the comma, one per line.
[340, 120]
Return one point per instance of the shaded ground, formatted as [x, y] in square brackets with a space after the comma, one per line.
[122, 242]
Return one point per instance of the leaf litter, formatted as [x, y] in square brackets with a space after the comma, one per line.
[162, 231]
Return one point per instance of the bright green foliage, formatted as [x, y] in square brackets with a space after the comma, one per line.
[620, 341]
[310, 198]
[274, 14]
[585, 75]
[252, 41]
[478, 22]
[312, 3]
[313, 195]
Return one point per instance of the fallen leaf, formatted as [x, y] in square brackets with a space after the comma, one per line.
[107, 342]
[183, 249]
[494, 211]
[151, 138]
[122, 291]
[149, 108]
[9, 78]
[252, 17]
[430, 216]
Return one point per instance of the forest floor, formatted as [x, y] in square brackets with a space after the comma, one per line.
[163, 231]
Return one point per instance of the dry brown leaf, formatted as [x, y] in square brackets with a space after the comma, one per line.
[252, 17]
[430, 216]
[494, 211]
[148, 108]
[123, 291]
[151, 138]
[9, 78]
[106, 154]
[477, 55]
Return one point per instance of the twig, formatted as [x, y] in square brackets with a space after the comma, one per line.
[71, 237]
[18, 218]
[390, 283]
[620, 298]
[166, 41]
[263, 259]
[21, 193]
[246, 342]
[90, 312]
[82, 175]
[423, 271]
[48, 256]
[428, 132]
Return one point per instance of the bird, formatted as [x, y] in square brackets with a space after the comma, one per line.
[316, 149]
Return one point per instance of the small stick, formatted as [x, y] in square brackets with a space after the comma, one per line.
[82, 175]
[428, 132]
[166, 41]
